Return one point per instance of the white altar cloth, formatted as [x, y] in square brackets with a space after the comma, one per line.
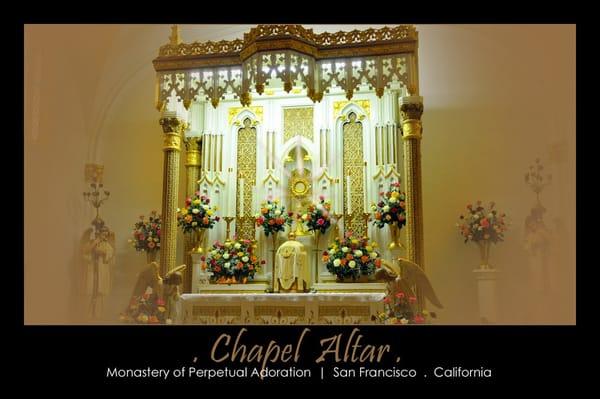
[290, 308]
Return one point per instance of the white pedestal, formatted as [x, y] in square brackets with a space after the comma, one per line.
[487, 296]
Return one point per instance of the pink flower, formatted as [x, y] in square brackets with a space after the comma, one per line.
[320, 222]
[400, 295]
[160, 302]
[412, 299]
[322, 197]
[419, 319]
[386, 300]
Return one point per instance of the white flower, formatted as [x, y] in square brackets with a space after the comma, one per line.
[336, 262]
[226, 265]
[352, 264]
[195, 210]
[331, 252]
[358, 252]
[269, 207]
[373, 255]
[403, 321]
[277, 212]
[194, 223]
[476, 216]
[480, 228]
[237, 245]
[393, 200]
[245, 259]
[320, 207]
[344, 249]
[205, 207]
[304, 217]
[386, 208]
[156, 240]
[213, 252]
[225, 255]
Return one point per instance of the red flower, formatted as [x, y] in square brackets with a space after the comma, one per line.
[412, 299]
[386, 300]
[485, 223]
[160, 302]
[419, 319]
[320, 222]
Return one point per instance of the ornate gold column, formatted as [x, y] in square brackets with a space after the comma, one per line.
[192, 169]
[173, 129]
[411, 109]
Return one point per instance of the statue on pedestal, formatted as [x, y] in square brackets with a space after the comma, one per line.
[292, 273]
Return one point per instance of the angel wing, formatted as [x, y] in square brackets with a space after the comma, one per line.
[414, 276]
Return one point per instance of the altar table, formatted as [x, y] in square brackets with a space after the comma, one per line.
[289, 308]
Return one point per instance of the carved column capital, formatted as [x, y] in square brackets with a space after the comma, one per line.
[173, 129]
[411, 109]
[192, 147]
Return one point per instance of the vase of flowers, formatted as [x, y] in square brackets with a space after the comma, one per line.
[352, 259]
[391, 211]
[401, 308]
[232, 262]
[197, 216]
[272, 217]
[146, 236]
[483, 227]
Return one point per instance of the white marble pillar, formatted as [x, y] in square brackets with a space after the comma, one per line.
[487, 295]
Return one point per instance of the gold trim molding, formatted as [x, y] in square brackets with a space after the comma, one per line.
[338, 106]
[234, 111]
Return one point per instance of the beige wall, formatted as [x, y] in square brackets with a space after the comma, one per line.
[496, 97]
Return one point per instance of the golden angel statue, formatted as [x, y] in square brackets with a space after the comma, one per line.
[404, 278]
[155, 300]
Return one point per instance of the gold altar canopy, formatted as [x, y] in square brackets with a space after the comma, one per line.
[292, 54]
[364, 93]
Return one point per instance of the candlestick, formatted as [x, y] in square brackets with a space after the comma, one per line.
[348, 196]
[241, 197]
[228, 220]
[348, 223]
[338, 220]
[366, 217]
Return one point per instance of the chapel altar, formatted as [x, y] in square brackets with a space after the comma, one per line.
[292, 115]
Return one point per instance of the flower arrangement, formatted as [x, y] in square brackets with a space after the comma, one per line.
[197, 214]
[480, 224]
[233, 261]
[352, 257]
[273, 217]
[317, 216]
[146, 309]
[391, 209]
[401, 308]
[146, 233]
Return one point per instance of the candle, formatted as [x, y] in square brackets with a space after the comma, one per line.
[254, 198]
[348, 199]
[241, 197]
[365, 191]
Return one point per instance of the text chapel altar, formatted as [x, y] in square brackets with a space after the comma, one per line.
[289, 114]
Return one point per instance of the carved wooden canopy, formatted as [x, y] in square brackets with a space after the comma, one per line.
[291, 55]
